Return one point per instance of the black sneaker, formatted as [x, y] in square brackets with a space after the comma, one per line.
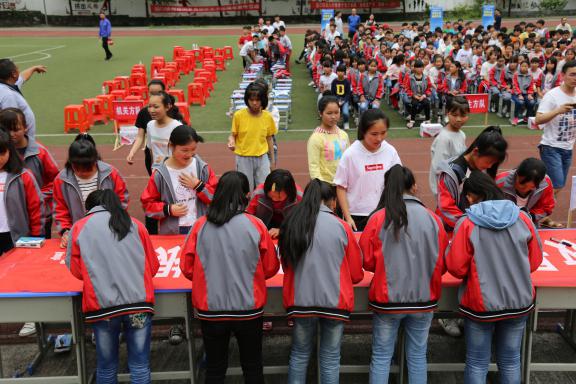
[176, 335]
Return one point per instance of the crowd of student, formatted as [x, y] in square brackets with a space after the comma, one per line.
[419, 70]
[230, 224]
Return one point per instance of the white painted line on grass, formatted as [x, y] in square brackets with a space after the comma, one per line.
[37, 52]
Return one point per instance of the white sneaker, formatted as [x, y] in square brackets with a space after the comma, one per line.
[310, 83]
[450, 326]
[346, 126]
[28, 329]
[410, 124]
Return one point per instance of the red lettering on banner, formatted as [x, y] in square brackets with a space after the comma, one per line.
[354, 4]
[126, 111]
[207, 8]
[373, 167]
[478, 102]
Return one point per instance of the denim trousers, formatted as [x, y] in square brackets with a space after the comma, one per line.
[384, 334]
[137, 329]
[304, 342]
[508, 339]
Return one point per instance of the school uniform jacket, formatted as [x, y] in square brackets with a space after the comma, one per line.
[408, 271]
[117, 275]
[261, 205]
[440, 82]
[42, 165]
[541, 201]
[522, 84]
[497, 76]
[381, 59]
[495, 261]
[68, 206]
[321, 283]
[228, 266]
[25, 209]
[159, 195]
[414, 86]
[460, 85]
[450, 202]
[371, 89]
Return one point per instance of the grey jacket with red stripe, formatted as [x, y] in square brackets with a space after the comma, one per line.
[228, 266]
[494, 249]
[408, 271]
[24, 202]
[321, 283]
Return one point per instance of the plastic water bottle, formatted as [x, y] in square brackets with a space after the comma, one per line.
[103, 90]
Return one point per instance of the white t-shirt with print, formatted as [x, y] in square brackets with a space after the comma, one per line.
[560, 132]
[157, 139]
[361, 172]
[184, 195]
[3, 216]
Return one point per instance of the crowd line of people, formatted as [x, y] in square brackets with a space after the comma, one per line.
[230, 222]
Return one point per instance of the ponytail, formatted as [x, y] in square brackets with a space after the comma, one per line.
[82, 153]
[120, 222]
[397, 181]
[490, 142]
[297, 230]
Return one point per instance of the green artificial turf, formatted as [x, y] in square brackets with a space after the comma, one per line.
[76, 70]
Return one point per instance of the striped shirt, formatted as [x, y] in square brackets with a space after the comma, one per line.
[87, 186]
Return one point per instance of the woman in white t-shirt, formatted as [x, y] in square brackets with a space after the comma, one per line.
[360, 174]
[158, 130]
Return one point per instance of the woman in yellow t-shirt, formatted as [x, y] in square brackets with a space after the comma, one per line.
[251, 136]
[328, 142]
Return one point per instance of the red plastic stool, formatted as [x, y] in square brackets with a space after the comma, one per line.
[178, 94]
[106, 102]
[159, 59]
[138, 68]
[191, 61]
[177, 52]
[206, 84]
[219, 52]
[170, 76]
[155, 67]
[119, 94]
[228, 53]
[183, 109]
[138, 79]
[133, 98]
[196, 94]
[75, 118]
[183, 65]
[211, 69]
[140, 91]
[124, 81]
[198, 54]
[108, 86]
[220, 63]
[207, 52]
[94, 111]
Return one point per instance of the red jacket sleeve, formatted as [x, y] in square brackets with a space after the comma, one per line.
[251, 209]
[368, 239]
[428, 90]
[530, 89]
[151, 200]
[61, 212]
[407, 87]
[151, 257]
[120, 187]
[188, 250]
[353, 256]
[443, 242]
[380, 90]
[464, 87]
[360, 85]
[268, 255]
[49, 172]
[447, 208]
[207, 193]
[546, 203]
[515, 86]
[73, 257]
[492, 77]
[460, 252]
[535, 253]
[34, 204]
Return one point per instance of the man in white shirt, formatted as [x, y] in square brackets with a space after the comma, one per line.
[278, 23]
[564, 26]
[11, 80]
[248, 51]
[330, 34]
[557, 117]
[464, 55]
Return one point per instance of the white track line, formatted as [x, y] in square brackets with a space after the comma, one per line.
[37, 52]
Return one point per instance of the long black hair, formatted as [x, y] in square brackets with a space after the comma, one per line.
[82, 153]
[483, 186]
[169, 102]
[120, 222]
[14, 163]
[397, 180]
[297, 230]
[281, 180]
[230, 198]
[490, 142]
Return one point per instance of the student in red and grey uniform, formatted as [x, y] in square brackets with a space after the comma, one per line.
[494, 249]
[370, 88]
[112, 253]
[84, 173]
[21, 201]
[181, 188]
[529, 188]
[403, 244]
[360, 174]
[321, 261]
[36, 158]
[228, 255]
[523, 93]
[485, 154]
[418, 89]
[272, 201]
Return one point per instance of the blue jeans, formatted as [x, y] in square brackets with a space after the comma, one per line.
[508, 337]
[384, 333]
[137, 331]
[303, 343]
[558, 162]
[184, 230]
[345, 109]
[520, 104]
[364, 106]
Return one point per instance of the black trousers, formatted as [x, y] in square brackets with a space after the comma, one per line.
[151, 224]
[416, 106]
[5, 242]
[105, 46]
[360, 222]
[216, 336]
